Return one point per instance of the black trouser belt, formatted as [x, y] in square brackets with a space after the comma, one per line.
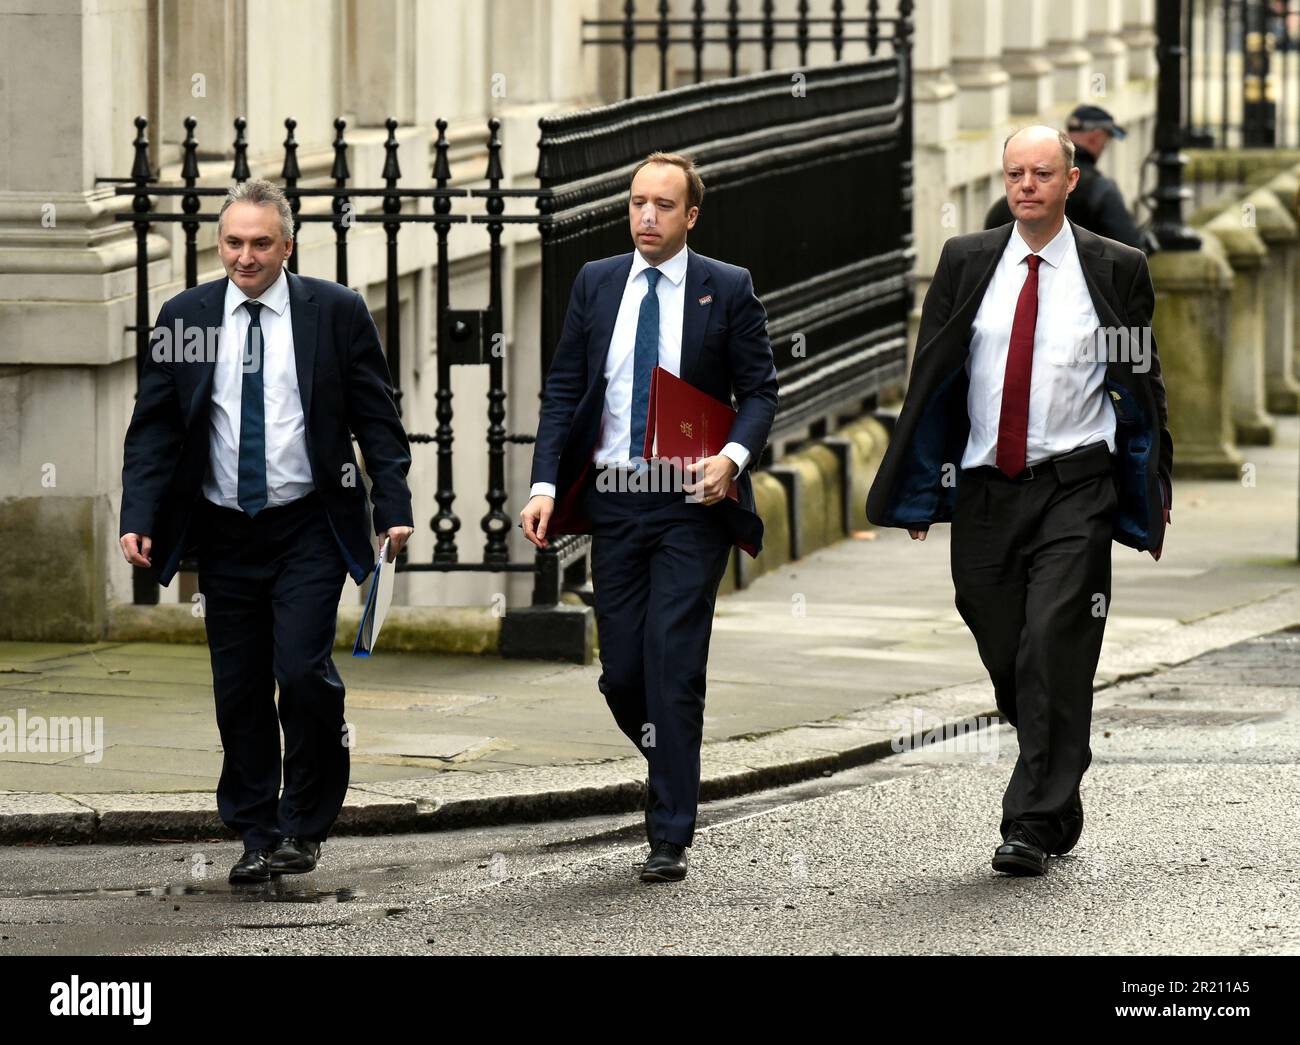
[1073, 467]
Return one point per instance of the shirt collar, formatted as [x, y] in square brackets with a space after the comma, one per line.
[1053, 252]
[674, 268]
[275, 297]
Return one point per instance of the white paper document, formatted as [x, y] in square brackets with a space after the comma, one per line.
[377, 603]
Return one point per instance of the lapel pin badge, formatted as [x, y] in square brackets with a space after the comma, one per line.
[706, 299]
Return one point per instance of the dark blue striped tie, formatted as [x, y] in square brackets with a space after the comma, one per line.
[252, 418]
[645, 359]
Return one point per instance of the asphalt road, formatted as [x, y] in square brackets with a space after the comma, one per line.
[1189, 848]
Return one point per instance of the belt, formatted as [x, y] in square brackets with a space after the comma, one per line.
[271, 511]
[1075, 466]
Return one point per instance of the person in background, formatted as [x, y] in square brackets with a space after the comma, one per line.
[1096, 203]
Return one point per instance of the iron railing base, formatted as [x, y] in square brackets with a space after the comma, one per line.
[560, 632]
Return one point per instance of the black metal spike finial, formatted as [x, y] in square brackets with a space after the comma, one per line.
[190, 202]
[340, 205]
[339, 172]
[290, 172]
[140, 170]
[629, 44]
[190, 147]
[495, 172]
[241, 171]
[768, 32]
[904, 33]
[697, 38]
[392, 223]
[662, 38]
[392, 171]
[441, 162]
[629, 26]
[837, 29]
[801, 32]
[441, 167]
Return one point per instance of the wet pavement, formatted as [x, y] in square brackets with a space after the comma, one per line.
[1189, 847]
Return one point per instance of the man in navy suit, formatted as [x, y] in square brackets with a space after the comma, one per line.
[658, 556]
[1036, 422]
[240, 452]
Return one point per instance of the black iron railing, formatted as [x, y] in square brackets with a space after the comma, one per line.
[464, 336]
[652, 25]
[809, 185]
[808, 188]
[1241, 73]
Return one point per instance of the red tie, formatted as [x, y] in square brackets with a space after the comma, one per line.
[1013, 425]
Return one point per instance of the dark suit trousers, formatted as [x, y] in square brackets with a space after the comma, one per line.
[1031, 568]
[271, 587]
[656, 562]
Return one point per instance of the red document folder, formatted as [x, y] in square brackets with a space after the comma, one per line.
[685, 422]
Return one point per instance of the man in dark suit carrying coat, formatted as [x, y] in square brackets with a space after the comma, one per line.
[657, 556]
[240, 452]
[1035, 421]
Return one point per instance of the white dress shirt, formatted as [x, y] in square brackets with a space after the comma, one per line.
[1067, 401]
[288, 471]
[616, 415]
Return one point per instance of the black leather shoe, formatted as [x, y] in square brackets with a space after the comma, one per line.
[1071, 825]
[295, 856]
[1019, 855]
[667, 863]
[253, 866]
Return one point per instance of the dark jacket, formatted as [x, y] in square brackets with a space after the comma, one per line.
[345, 387]
[1096, 204]
[725, 350]
[932, 430]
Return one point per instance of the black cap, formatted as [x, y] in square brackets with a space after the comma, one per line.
[1093, 117]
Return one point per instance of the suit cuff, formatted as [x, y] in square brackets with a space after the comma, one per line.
[546, 489]
[738, 454]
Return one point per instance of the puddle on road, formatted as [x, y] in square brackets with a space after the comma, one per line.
[273, 891]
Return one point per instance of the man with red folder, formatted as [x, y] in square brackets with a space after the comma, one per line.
[658, 555]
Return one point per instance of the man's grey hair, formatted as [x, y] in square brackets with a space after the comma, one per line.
[263, 193]
[1067, 145]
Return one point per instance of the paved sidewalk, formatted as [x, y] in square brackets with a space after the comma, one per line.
[816, 666]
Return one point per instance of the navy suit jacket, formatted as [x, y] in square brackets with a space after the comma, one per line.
[910, 490]
[345, 387]
[725, 353]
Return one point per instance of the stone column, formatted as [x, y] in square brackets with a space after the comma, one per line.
[983, 85]
[1108, 50]
[75, 75]
[1140, 36]
[1248, 257]
[934, 127]
[1191, 330]
[1024, 45]
[1277, 228]
[379, 61]
[1067, 29]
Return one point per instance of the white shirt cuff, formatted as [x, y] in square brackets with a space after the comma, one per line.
[548, 489]
[738, 454]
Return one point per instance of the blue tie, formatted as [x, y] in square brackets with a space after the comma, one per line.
[645, 360]
[252, 418]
